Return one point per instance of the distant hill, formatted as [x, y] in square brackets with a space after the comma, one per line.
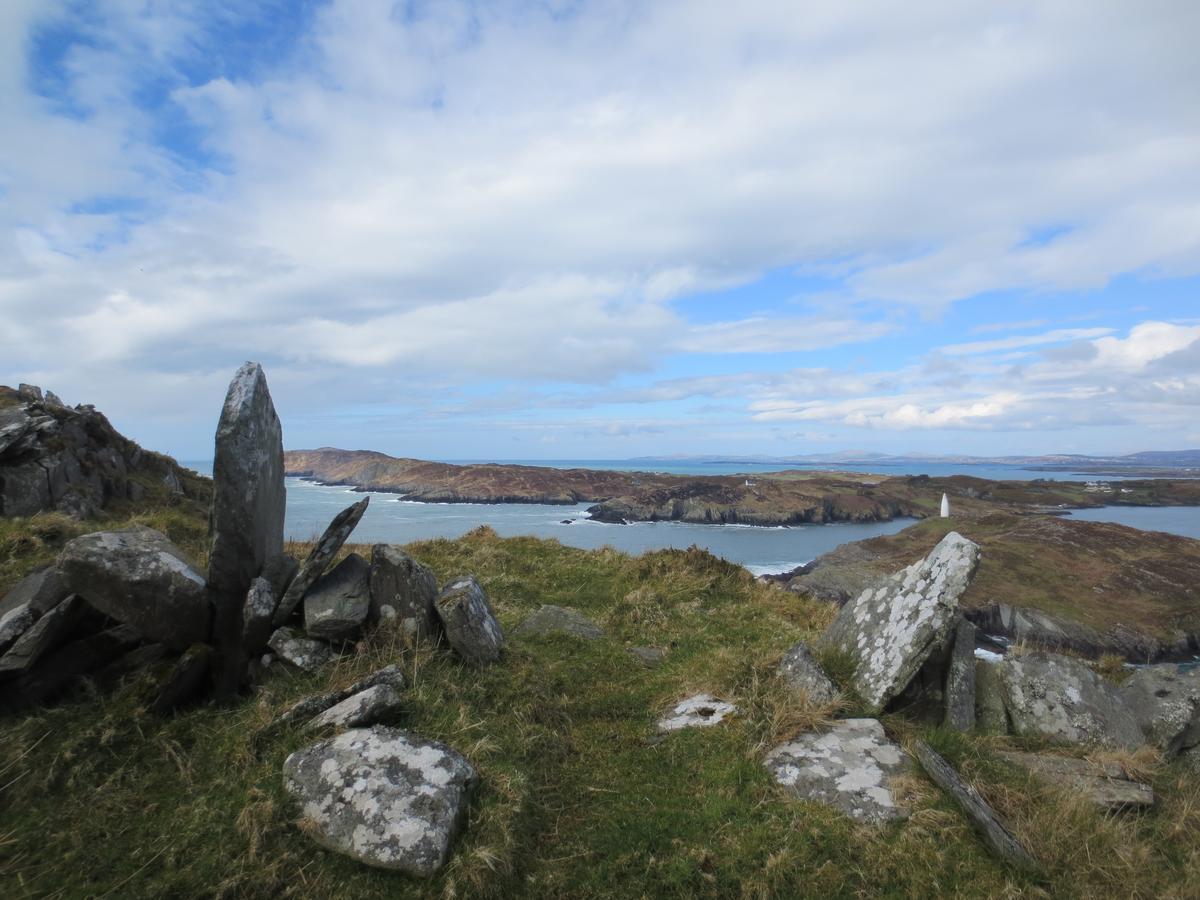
[1157, 459]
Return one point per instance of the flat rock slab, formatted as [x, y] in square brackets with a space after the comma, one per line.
[404, 590]
[559, 620]
[848, 767]
[471, 626]
[1060, 698]
[803, 674]
[891, 630]
[317, 703]
[45, 634]
[142, 580]
[302, 652]
[382, 796]
[700, 711]
[367, 707]
[650, 657]
[336, 606]
[1104, 784]
[1165, 699]
[319, 558]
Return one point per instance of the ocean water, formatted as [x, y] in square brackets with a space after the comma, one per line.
[1184, 520]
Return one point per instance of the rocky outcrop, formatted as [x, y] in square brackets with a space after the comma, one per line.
[848, 767]
[890, 632]
[470, 625]
[72, 460]
[319, 558]
[558, 620]
[141, 579]
[804, 675]
[404, 590]
[383, 797]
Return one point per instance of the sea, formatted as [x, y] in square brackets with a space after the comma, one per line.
[762, 550]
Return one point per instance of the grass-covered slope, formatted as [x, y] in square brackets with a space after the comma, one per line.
[578, 797]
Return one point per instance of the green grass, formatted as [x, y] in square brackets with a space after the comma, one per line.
[579, 797]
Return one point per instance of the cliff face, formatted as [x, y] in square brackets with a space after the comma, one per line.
[71, 460]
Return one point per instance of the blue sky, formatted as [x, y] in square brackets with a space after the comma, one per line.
[609, 229]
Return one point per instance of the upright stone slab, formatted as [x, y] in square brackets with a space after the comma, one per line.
[404, 590]
[336, 607]
[246, 521]
[804, 675]
[960, 679]
[471, 626]
[890, 631]
[319, 558]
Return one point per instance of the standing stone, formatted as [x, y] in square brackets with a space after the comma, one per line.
[1060, 698]
[319, 558]
[404, 590]
[990, 714]
[960, 679]
[383, 797]
[246, 520]
[1165, 699]
[140, 578]
[803, 674]
[890, 631]
[848, 767]
[336, 607]
[471, 626]
[256, 615]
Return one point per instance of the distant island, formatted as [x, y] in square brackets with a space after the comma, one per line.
[786, 497]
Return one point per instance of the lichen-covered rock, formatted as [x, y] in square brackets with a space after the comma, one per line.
[1165, 699]
[45, 634]
[312, 705]
[319, 558]
[15, 623]
[141, 579]
[302, 652]
[803, 674]
[383, 797]
[549, 619]
[470, 625]
[848, 767]
[256, 615]
[336, 606]
[890, 631]
[279, 571]
[1104, 784]
[960, 679]
[40, 591]
[371, 706]
[700, 711]
[404, 590]
[1060, 698]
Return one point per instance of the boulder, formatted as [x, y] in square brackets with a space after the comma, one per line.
[700, 711]
[890, 631]
[804, 675]
[336, 606]
[15, 623]
[312, 705]
[40, 591]
[186, 680]
[141, 579]
[558, 620]
[383, 797]
[990, 714]
[960, 679]
[319, 558]
[1060, 698]
[256, 615]
[372, 706]
[404, 590]
[1104, 784]
[46, 633]
[848, 767]
[1165, 699]
[302, 652]
[470, 625]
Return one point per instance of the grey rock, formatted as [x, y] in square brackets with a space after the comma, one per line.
[61, 668]
[404, 590]
[700, 711]
[185, 682]
[470, 625]
[336, 607]
[256, 615]
[319, 558]
[890, 631]
[314, 704]
[990, 714]
[1060, 698]
[1104, 784]
[141, 579]
[650, 657]
[246, 520]
[981, 815]
[15, 623]
[52, 399]
[372, 706]
[41, 591]
[549, 619]
[848, 767]
[383, 797]
[45, 634]
[1165, 700]
[279, 572]
[960, 679]
[803, 674]
[293, 647]
[30, 393]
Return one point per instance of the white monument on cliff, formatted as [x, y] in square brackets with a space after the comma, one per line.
[945, 507]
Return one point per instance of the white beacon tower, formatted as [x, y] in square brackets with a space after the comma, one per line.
[945, 507]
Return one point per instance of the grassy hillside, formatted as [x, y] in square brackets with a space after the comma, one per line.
[579, 797]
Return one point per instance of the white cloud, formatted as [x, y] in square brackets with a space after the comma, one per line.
[1058, 336]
